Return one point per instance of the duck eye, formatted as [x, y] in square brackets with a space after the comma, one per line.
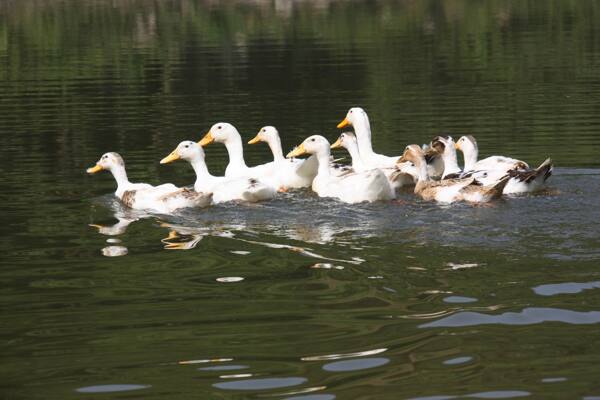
[219, 127]
[312, 140]
[186, 146]
[264, 130]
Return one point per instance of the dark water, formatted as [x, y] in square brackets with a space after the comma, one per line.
[301, 297]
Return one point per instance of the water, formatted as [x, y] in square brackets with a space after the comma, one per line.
[300, 297]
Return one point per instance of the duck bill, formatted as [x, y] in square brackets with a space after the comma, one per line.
[170, 158]
[344, 123]
[298, 151]
[255, 140]
[402, 159]
[337, 144]
[457, 146]
[207, 139]
[94, 169]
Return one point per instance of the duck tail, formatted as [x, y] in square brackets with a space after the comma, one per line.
[541, 173]
[545, 169]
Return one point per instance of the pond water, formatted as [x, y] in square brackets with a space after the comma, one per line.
[300, 297]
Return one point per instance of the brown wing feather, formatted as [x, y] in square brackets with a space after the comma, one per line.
[128, 197]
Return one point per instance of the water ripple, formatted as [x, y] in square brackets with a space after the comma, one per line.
[565, 288]
[528, 316]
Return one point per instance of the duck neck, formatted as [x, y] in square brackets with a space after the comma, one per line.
[236, 152]
[323, 159]
[422, 175]
[357, 162]
[118, 172]
[362, 128]
[275, 145]
[200, 169]
[450, 160]
[470, 154]
[421, 167]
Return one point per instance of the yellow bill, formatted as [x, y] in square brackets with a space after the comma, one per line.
[457, 146]
[255, 140]
[170, 158]
[344, 123]
[207, 139]
[94, 169]
[298, 151]
[337, 144]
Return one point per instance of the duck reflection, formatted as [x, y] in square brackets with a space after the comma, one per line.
[116, 229]
[124, 217]
[180, 240]
[186, 230]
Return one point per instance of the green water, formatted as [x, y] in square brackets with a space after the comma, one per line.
[404, 299]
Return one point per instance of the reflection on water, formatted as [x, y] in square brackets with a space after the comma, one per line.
[355, 365]
[110, 388]
[342, 356]
[496, 394]
[565, 288]
[260, 384]
[458, 360]
[114, 251]
[528, 316]
[223, 368]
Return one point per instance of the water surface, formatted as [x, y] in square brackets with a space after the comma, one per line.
[300, 297]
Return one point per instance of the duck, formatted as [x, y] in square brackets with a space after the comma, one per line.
[401, 175]
[347, 140]
[358, 118]
[224, 189]
[450, 190]
[356, 187]
[433, 156]
[164, 199]
[524, 179]
[226, 133]
[291, 173]
[468, 145]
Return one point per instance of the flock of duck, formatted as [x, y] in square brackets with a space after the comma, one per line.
[432, 169]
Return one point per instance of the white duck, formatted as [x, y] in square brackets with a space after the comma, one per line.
[223, 132]
[357, 117]
[164, 198]
[351, 188]
[449, 190]
[523, 178]
[468, 145]
[289, 173]
[223, 188]
[399, 176]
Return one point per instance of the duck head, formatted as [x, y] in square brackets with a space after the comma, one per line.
[266, 134]
[443, 143]
[413, 153]
[186, 150]
[345, 140]
[315, 144]
[352, 117]
[221, 132]
[467, 144]
[108, 161]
